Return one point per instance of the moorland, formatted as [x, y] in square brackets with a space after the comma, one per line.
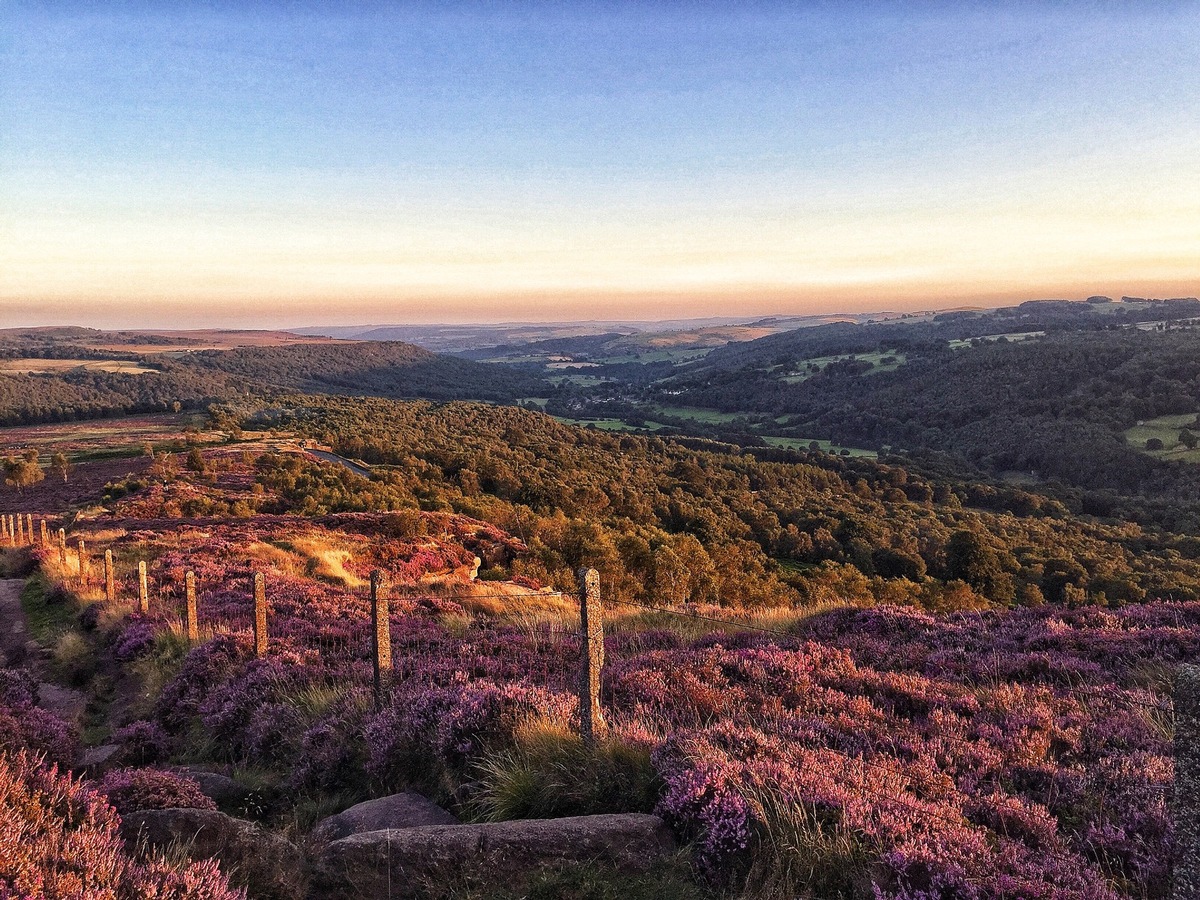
[892, 608]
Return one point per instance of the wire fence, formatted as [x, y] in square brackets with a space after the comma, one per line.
[435, 641]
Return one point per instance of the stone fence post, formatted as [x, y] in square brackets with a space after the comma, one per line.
[381, 631]
[191, 626]
[591, 632]
[143, 589]
[260, 614]
[84, 574]
[110, 578]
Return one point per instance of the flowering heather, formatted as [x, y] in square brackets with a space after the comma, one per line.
[24, 725]
[59, 839]
[142, 743]
[129, 790]
[978, 755]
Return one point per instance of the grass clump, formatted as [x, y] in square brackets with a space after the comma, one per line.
[74, 658]
[801, 852]
[155, 669]
[49, 611]
[550, 772]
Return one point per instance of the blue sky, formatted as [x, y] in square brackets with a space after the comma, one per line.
[282, 163]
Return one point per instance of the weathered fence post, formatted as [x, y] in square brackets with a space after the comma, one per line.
[591, 632]
[84, 574]
[62, 547]
[29, 528]
[45, 534]
[110, 578]
[1185, 883]
[189, 610]
[20, 530]
[143, 589]
[12, 530]
[260, 614]
[382, 634]
[4, 526]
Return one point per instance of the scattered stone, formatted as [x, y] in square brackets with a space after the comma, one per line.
[96, 760]
[401, 864]
[405, 810]
[221, 789]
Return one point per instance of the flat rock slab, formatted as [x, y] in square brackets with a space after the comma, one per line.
[221, 789]
[404, 810]
[405, 863]
[96, 760]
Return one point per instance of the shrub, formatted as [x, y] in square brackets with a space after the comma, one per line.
[129, 790]
[38, 730]
[142, 743]
[59, 840]
[136, 639]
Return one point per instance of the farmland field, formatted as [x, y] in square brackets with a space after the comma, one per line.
[1165, 429]
[34, 366]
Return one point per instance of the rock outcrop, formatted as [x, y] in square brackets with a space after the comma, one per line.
[402, 863]
[265, 861]
[405, 810]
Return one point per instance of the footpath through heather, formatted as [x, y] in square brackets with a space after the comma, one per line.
[19, 649]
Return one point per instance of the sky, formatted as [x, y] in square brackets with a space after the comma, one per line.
[269, 164]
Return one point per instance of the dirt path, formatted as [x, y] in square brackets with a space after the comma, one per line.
[19, 649]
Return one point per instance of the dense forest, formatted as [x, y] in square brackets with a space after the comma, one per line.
[704, 522]
[193, 379]
[1044, 392]
[1056, 406]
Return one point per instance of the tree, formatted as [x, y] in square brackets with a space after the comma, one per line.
[195, 460]
[1154, 444]
[21, 472]
[1188, 439]
[60, 465]
[970, 559]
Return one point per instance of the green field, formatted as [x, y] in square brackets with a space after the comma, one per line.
[675, 356]
[821, 362]
[608, 424]
[696, 414]
[990, 338]
[579, 380]
[1166, 429]
[794, 443]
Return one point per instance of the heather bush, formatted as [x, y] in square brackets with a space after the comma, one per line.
[129, 790]
[142, 743]
[136, 639]
[437, 732]
[59, 841]
[26, 726]
[17, 687]
[203, 669]
[89, 616]
[332, 754]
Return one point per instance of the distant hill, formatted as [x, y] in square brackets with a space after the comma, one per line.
[382, 369]
[192, 376]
